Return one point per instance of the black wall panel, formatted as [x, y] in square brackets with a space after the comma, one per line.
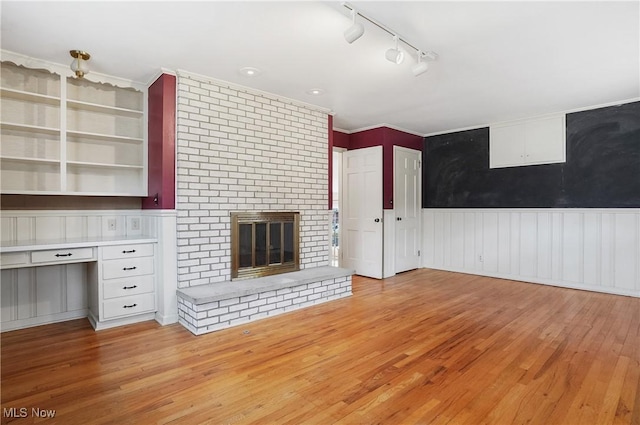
[602, 168]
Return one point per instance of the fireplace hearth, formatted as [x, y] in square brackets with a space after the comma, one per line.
[264, 243]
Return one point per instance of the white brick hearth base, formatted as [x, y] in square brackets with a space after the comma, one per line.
[208, 308]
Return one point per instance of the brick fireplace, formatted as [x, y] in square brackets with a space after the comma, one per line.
[245, 151]
[242, 150]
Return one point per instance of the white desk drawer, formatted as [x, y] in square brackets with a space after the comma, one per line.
[62, 255]
[126, 251]
[127, 306]
[128, 286]
[14, 259]
[114, 269]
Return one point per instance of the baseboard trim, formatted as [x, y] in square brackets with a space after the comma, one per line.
[168, 319]
[548, 282]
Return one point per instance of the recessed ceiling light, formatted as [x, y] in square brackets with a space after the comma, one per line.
[249, 71]
[315, 92]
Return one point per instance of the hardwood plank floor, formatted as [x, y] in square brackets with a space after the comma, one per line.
[424, 347]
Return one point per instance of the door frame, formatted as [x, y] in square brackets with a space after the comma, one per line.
[336, 170]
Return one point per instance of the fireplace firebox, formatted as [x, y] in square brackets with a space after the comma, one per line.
[264, 243]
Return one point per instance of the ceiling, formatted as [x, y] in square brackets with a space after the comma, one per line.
[498, 61]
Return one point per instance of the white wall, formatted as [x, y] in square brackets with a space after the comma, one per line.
[238, 150]
[593, 249]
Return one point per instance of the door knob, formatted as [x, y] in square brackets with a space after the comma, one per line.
[377, 220]
[398, 218]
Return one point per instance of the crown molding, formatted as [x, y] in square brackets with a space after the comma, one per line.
[383, 125]
[65, 71]
[566, 111]
[250, 90]
[158, 74]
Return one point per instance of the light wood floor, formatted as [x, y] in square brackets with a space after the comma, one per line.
[425, 347]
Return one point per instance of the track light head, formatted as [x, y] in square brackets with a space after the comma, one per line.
[420, 67]
[423, 62]
[395, 55]
[354, 32]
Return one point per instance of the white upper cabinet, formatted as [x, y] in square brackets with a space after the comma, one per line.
[69, 136]
[528, 142]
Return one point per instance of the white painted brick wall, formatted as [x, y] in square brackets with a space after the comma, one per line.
[238, 151]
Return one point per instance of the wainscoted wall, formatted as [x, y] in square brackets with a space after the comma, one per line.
[241, 150]
[592, 249]
[21, 226]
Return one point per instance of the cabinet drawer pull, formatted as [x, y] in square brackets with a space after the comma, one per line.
[129, 268]
[130, 287]
[64, 255]
[129, 251]
[129, 306]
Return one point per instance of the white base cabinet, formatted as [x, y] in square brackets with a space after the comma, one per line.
[123, 285]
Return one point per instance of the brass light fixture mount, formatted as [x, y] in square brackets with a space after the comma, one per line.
[79, 65]
[80, 54]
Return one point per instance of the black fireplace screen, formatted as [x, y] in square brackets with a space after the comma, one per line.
[264, 243]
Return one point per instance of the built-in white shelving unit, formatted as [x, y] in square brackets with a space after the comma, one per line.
[64, 135]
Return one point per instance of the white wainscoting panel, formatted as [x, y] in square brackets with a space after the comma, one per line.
[591, 249]
[388, 243]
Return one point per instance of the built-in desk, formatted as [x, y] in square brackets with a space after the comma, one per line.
[119, 281]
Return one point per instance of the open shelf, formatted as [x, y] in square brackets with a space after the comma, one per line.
[26, 80]
[87, 178]
[29, 160]
[104, 137]
[22, 175]
[104, 165]
[81, 91]
[25, 143]
[29, 96]
[30, 128]
[30, 113]
[115, 152]
[105, 109]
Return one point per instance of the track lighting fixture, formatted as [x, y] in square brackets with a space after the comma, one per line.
[79, 64]
[395, 55]
[420, 67]
[355, 31]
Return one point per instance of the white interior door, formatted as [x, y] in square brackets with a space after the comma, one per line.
[361, 217]
[407, 201]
